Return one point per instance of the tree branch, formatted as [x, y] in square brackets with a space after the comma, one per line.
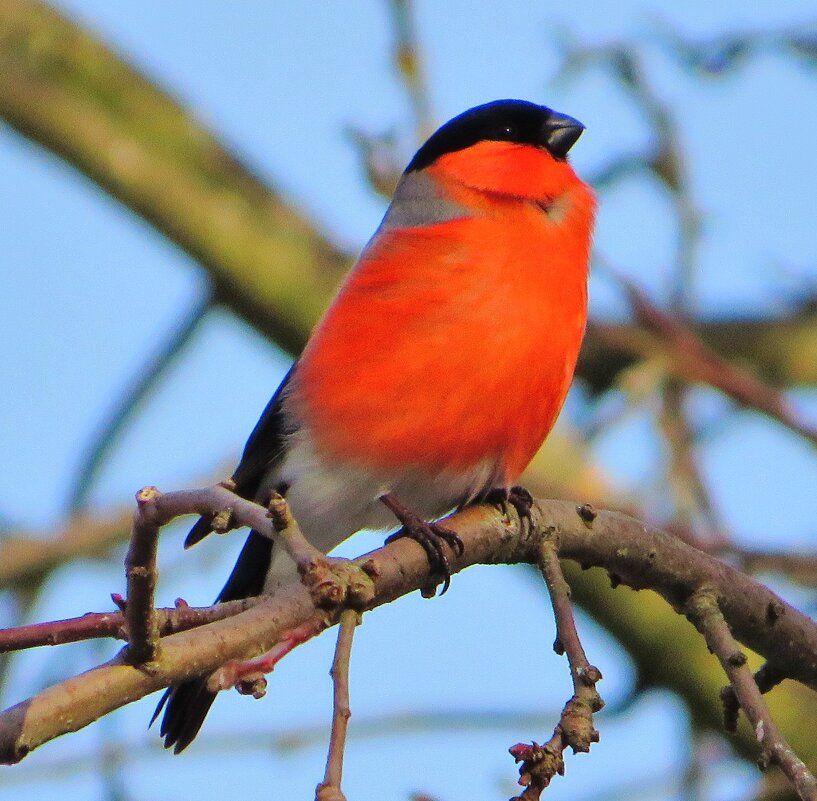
[704, 610]
[329, 789]
[25, 559]
[57, 85]
[540, 763]
[631, 552]
[95, 625]
[141, 574]
[690, 359]
[130, 400]
[766, 342]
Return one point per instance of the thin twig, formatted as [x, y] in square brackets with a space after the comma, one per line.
[380, 154]
[302, 551]
[95, 625]
[584, 674]
[218, 500]
[694, 506]
[767, 678]
[141, 573]
[329, 789]
[723, 54]
[333, 583]
[246, 672]
[705, 612]
[407, 61]
[540, 763]
[668, 164]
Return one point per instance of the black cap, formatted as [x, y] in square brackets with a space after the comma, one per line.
[515, 121]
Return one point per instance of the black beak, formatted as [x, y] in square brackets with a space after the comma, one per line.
[560, 133]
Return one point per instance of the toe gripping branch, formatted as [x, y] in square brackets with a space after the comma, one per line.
[518, 497]
[431, 537]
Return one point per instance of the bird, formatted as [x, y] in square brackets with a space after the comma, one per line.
[441, 365]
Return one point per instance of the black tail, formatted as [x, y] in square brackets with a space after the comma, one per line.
[186, 705]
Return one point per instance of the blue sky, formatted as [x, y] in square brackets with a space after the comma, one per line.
[90, 289]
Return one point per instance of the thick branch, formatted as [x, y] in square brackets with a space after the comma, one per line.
[61, 87]
[635, 554]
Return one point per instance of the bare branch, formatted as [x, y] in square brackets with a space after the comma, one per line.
[329, 789]
[631, 552]
[26, 558]
[95, 625]
[584, 675]
[798, 567]
[540, 763]
[722, 54]
[705, 613]
[764, 341]
[140, 570]
[302, 551]
[130, 401]
[407, 61]
[694, 506]
[332, 583]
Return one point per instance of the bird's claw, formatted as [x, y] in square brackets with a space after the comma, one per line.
[431, 537]
[518, 497]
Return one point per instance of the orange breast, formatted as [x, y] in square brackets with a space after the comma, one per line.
[452, 344]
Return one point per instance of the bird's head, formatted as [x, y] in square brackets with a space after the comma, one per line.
[508, 147]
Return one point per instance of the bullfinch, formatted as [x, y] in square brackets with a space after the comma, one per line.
[442, 363]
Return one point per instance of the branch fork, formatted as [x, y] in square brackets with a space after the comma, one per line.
[346, 588]
[637, 554]
[332, 583]
[338, 586]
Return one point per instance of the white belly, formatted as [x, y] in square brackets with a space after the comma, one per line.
[332, 501]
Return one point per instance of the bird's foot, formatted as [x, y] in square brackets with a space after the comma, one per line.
[431, 537]
[518, 497]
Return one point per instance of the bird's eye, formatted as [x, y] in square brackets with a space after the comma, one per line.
[508, 130]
